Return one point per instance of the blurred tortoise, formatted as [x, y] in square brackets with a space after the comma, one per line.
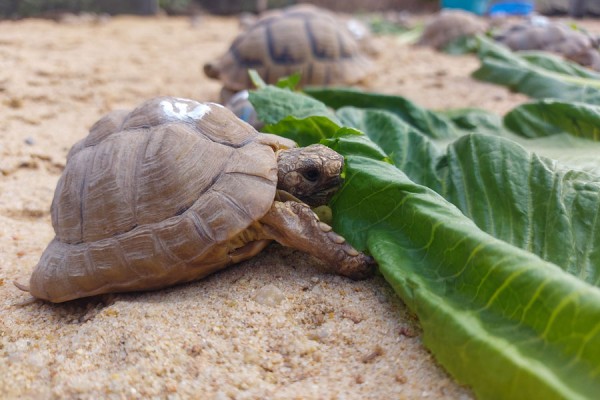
[359, 30]
[539, 34]
[175, 190]
[303, 39]
[450, 25]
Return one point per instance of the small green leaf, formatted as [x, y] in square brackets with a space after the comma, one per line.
[256, 79]
[273, 104]
[304, 131]
[290, 82]
[462, 45]
[350, 141]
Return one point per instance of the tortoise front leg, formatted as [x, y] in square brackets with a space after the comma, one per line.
[295, 225]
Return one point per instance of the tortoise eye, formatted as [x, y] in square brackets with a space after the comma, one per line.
[312, 174]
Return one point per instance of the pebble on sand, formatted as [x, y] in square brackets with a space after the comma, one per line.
[269, 295]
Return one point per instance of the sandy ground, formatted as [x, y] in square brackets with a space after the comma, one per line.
[322, 337]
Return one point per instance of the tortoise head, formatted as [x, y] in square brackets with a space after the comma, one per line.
[312, 174]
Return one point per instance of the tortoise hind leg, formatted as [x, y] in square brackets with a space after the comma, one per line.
[295, 225]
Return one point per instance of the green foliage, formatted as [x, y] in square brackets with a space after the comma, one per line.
[537, 74]
[256, 79]
[290, 82]
[497, 317]
[550, 117]
[380, 25]
[493, 245]
[434, 124]
[289, 119]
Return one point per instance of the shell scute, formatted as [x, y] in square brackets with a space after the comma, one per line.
[139, 251]
[179, 186]
[282, 46]
[104, 127]
[107, 186]
[65, 210]
[104, 255]
[186, 237]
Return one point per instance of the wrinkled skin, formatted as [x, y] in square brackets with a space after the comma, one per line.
[311, 174]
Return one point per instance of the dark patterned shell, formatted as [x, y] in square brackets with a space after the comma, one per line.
[150, 198]
[301, 39]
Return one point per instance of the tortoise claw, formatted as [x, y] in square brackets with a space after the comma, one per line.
[295, 225]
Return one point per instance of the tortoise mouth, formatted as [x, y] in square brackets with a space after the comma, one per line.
[323, 196]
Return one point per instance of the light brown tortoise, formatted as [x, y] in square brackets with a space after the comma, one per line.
[449, 25]
[175, 190]
[300, 39]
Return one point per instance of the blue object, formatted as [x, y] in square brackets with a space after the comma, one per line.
[511, 8]
[474, 6]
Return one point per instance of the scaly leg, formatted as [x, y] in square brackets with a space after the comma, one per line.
[295, 225]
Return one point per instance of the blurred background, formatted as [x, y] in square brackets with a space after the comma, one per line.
[49, 8]
[31, 8]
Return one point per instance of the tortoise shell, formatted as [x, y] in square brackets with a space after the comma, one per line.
[300, 39]
[449, 25]
[154, 197]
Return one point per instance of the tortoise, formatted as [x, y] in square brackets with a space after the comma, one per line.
[303, 39]
[572, 44]
[176, 190]
[450, 25]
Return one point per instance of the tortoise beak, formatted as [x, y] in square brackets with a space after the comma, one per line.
[323, 196]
